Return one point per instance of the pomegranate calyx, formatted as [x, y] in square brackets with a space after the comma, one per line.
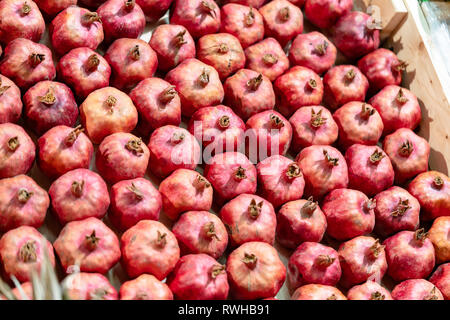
[310, 206]
[332, 297]
[177, 137]
[91, 241]
[73, 135]
[209, 8]
[350, 75]
[438, 182]
[27, 252]
[26, 9]
[249, 18]
[276, 121]
[401, 98]
[210, 230]
[168, 95]
[432, 295]
[99, 294]
[255, 82]
[250, 260]
[377, 295]
[49, 98]
[110, 103]
[254, 209]
[13, 143]
[223, 48]
[402, 207]
[370, 204]
[321, 49]
[270, 59]
[376, 156]
[420, 235]
[331, 161]
[312, 84]
[366, 111]
[406, 149]
[3, 89]
[77, 188]
[179, 39]
[36, 58]
[400, 66]
[240, 174]
[201, 183]
[161, 240]
[375, 249]
[316, 119]
[284, 14]
[92, 63]
[224, 122]
[293, 170]
[135, 147]
[216, 270]
[137, 193]
[23, 196]
[129, 5]
[324, 260]
[90, 17]
[204, 78]
[135, 53]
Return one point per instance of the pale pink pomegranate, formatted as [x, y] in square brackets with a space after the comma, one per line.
[441, 279]
[317, 292]
[89, 286]
[438, 235]
[325, 13]
[52, 7]
[154, 9]
[416, 289]
[145, 287]
[250, 3]
[369, 290]
[10, 101]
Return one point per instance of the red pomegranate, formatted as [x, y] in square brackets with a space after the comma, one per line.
[250, 3]
[10, 101]
[52, 7]
[441, 279]
[145, 287]
[154, 9]
[92, 4]
[369, 290]
[318, 292]
[416, 289]
[325, 13]
[89, 286]
[438, 235]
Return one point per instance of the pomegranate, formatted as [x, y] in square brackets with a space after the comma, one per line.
[325, 13]
[10, 101]
[198, 277]
[62, 149]
[410, 255]
[318, 292]
[149, 247]
[22, 251]
[25, 292]
[369, 290]
[251, 3]
[79, 194]
[255, 271]
[438, 235]
[154, 9]
[52, 7]
[416, 289]
[441, 279]
[298, 3]
[75, 27]
[145, 287]
[89, 286]
[92, 4]
[23, 203]
[408, 152]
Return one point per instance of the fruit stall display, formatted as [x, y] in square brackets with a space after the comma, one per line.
[102, 168]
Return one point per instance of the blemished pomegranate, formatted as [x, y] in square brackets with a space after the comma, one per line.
[315, 263]
[173, 44]
[325, 13]
[249, 218]
[432, 189]
[10, 101]
[280, 180]
[172, 148]
[268, 58]
[297, 88]
[231, 174]
[20, 19]
[185, 190]
[198, 277]
[255, 271]
[408, 152]
[84, 71]
[314, 51]
[145, 287]
[49, 104]
[324, 169]
[23, 250]
[79, 194]
[243, 22]
[26, 63]
[441, 279]
[200, 17]
[369, 290]
[23, 203]
[132, 201]
[131, 61]
[17, 150]
[76, 27]
[416, 289]
[282, 20]
[122, 156]
[89, 244]
[154, 9]
[410, 255]
[62, 149]
[317, 292]
[198, 85]
[356, 34]
[300, 221]
[438, 235]
[350, 213]
[343, 84]
[52, 7]
[89, 286]
[398, 107]
[313, 125]
[106, 111]
[251, 3]
[396, 210]
[222, 51]
[149, 247]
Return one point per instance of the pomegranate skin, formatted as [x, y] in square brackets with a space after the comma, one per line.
[313, 263]
[49, 104]
[23, 203]
[311, 126]
[441, 279]
[282, 20]
[149, 247]
[145, 287]
[201, 232]
[325, 13]
[199, 17]
[369, 290]
[438, 235]
[62, 149]
[17, 151]
[90, 244]
[154, 9]
[122, 156]
[245, 23]
[249, 93]
[280, 180]
[349, 214]
[89, 286]
[317, 292]
[106, 111]
[197, 84]
[92, 4]
[10, 101]
[79, 194]
[408, 152]
[297, 88]
[249, 218]
[396, 210]
[231, 174]
[185, 190]
[23, 250]
[416, 289]
[52, 7]
[255, 271]
[324, 169]
[250, 3]
[84, 71]
[172, 148]
[198, 277]
[398, 107]
[356, 35]
[410, 255]
[343, 84]
[26, 63]
[173, 44]
[132, 201]
[20, 19]
[300, 221]
[267, 57]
